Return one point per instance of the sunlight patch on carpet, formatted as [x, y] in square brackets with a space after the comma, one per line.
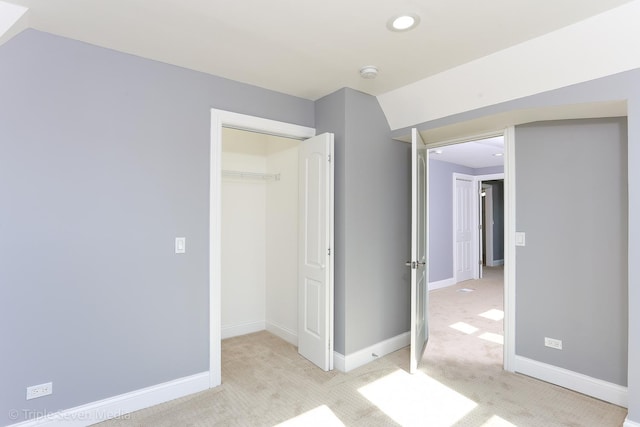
[321, 416]
[496, 421]
[417, 400]
[465, 290]
[464, 327]
[493, 314]
[490, 336]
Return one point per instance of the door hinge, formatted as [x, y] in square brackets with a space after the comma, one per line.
[329, 158]
[329, 251]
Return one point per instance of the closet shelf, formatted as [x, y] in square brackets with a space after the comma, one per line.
[251, 175]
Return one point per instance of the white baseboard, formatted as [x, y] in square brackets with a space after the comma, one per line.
[629, 423]
[339, 362]
[603, 390]
[242, 329]
[442, 283]
[119, 406]
[366, 355]
[495, 263]
[282, 332]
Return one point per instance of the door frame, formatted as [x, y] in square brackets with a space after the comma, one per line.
[509, 322]
[487, 224]
[220, 119]
[478, 180]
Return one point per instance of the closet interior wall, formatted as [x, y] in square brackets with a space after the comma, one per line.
[259, 234]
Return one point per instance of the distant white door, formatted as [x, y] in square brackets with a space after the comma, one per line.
[315, 259]
[464, 233]
[418, 262]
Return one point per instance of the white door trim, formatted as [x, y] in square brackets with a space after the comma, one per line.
[487, 225]
[490, 177]
[509, 250]
[220, 119]
[509, 234]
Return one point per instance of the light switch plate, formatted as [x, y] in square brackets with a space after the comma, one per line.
[520, 238]
[181, 245]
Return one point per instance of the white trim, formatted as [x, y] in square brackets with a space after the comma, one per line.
[509, 299]
[495, 263]
[603, 390]
[280, 331]
[463, 139]
[242, 329]
[220, 119]
[339, 362]
[442, 283]
[366, 355]
[119, 406]
[486, 236]
[629, 423]
[260, 125]
[477, 213]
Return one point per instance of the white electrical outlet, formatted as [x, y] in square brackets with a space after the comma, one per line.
[553, 343]
[39, 390]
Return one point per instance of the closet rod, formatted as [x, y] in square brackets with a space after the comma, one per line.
[251, 175]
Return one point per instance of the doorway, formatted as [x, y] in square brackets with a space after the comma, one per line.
[259, 234]
[315, 181]
[442, 265]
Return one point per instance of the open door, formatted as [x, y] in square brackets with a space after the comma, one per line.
[418, 263]
[315, 258]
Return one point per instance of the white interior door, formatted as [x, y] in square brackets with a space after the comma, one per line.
[315, 258]
[464, 242]
[418, 263]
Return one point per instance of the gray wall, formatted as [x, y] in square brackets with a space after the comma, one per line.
[574, 265]
[104, 160]
[622, 86]
[372, 221]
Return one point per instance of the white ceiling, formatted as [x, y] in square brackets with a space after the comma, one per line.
[473, 154]
[303, 48]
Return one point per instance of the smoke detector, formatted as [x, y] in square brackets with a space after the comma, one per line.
[369, 72]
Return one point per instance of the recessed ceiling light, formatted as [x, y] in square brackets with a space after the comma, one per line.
[437, 151]
[498, 155]
[403, 22]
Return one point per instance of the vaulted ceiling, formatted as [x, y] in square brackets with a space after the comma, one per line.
[308, 48]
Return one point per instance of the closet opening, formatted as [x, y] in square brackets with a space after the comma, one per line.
[259, 234]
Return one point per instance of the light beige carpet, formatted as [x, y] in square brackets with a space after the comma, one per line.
[461, 382]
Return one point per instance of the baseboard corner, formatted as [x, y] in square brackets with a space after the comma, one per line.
[371, 353]
[603, 390]
[282, 332]
[442, 284]
[230, 331]
[339, 362]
